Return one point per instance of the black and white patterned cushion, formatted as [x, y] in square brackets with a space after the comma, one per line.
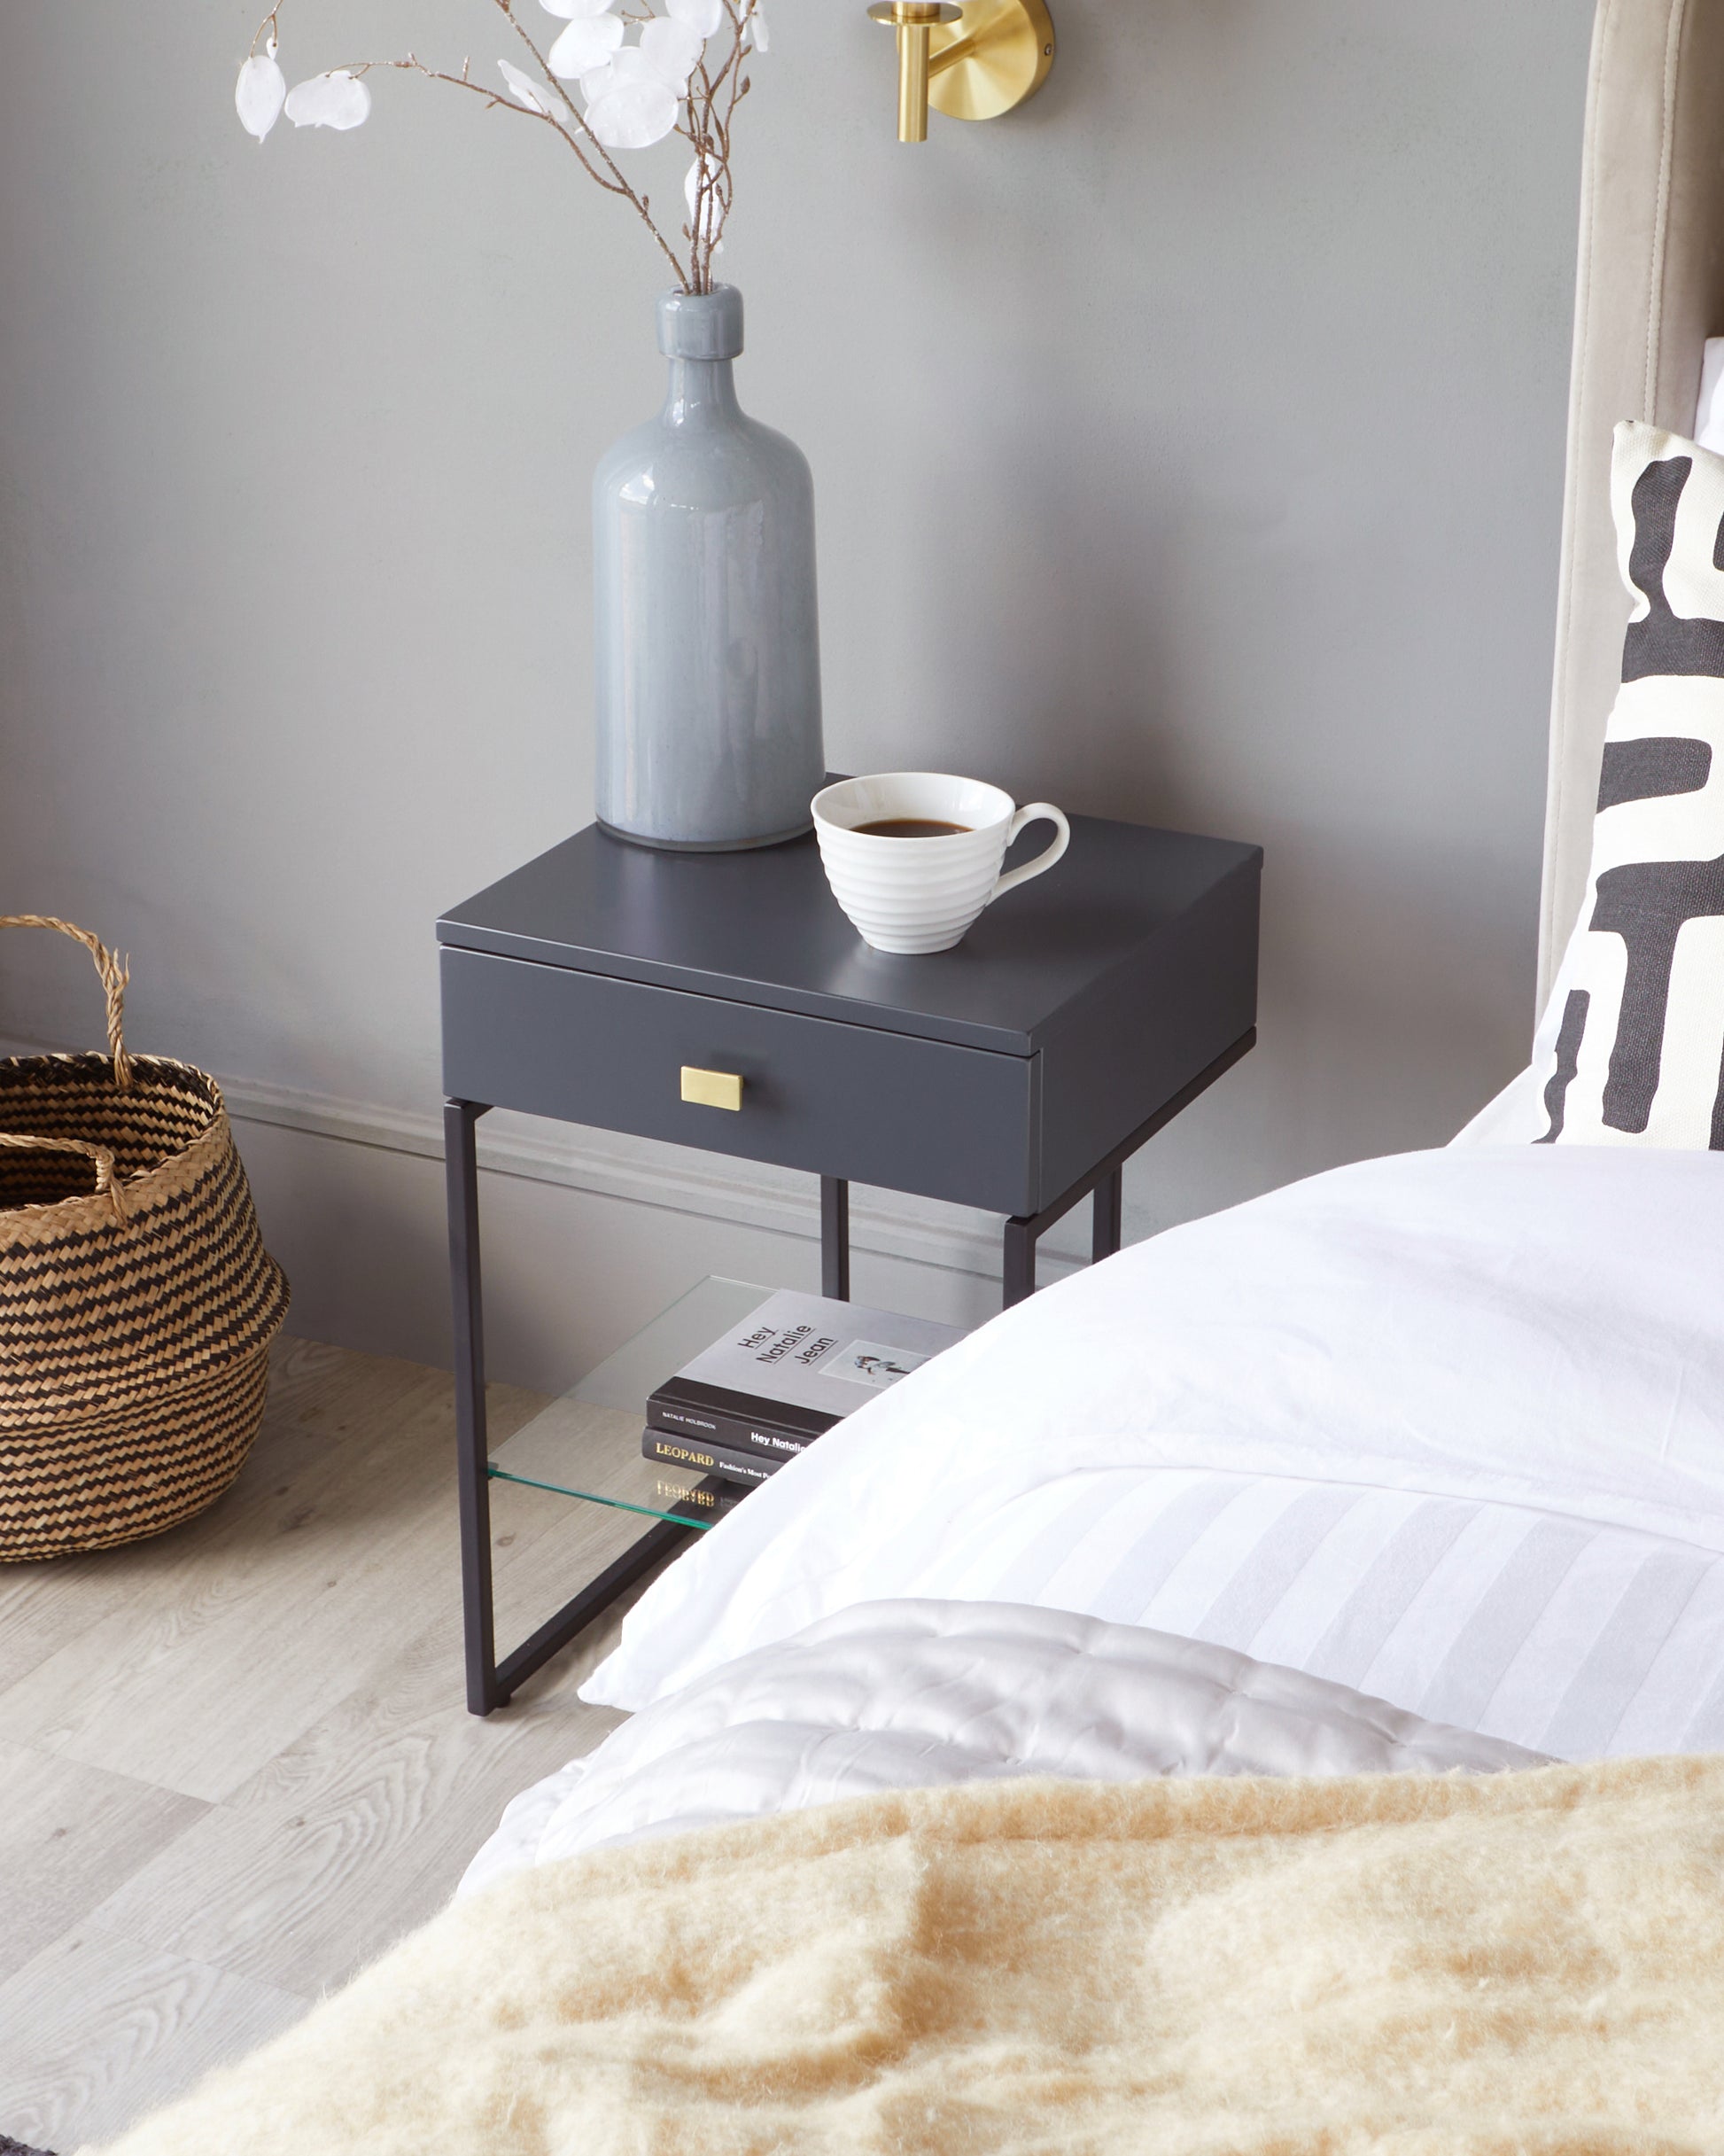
[1631, 1048]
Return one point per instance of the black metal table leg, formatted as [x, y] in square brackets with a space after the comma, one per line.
[1108, 1218]
[460, 1160]
[1105, 1183]
[1018, 1268]
[834, 1238]
[491, 1684]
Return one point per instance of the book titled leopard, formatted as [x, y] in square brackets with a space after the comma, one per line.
[791, 1369]
[698, 1456]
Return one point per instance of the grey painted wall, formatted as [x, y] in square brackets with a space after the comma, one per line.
[1189, 448]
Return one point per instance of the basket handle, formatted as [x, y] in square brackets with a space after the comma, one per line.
[115, 973]
[107, 1183]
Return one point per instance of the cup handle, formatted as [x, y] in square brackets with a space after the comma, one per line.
[1035, 813]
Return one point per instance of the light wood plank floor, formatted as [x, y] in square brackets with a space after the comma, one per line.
[234, 1763]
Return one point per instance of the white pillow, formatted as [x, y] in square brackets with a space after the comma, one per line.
[1709, 419]
[1630, 1051]
[1512, 1324]
[1507, 1119]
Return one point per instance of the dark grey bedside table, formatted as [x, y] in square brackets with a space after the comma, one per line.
[722, 1000]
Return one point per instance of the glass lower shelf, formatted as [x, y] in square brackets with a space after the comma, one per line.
[588, 1445]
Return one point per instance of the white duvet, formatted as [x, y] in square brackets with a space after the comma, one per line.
[1446, 1430]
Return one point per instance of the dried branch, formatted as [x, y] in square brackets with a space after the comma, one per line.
[710, 104]
[576, 121]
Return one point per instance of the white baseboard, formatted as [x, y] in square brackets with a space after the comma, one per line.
[740, 1193]
[587, 1235]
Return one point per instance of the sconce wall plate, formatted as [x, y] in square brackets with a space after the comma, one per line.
[976, 62]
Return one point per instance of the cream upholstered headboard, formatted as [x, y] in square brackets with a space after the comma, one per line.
[1651, 292]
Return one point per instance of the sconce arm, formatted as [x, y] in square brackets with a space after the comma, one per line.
[965, 49]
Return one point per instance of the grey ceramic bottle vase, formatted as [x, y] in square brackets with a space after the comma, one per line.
[706, 629]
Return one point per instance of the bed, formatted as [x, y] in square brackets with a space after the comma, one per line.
[1258, 1694]
[1429, 1450]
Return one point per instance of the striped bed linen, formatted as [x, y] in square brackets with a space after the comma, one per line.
[1566, 1636]
[1448, 1429]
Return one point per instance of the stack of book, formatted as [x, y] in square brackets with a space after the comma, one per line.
[772, 1386]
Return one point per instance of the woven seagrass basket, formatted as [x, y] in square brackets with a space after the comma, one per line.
[136, 1318]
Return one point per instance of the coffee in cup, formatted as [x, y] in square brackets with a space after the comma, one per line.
[913, 856]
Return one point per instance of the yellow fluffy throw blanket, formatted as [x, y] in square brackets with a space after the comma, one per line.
[1530, 1962]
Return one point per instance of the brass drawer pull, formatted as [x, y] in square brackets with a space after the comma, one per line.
[712, 1088]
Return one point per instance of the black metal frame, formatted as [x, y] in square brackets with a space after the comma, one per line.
[1106, 1182]
[490, 1684]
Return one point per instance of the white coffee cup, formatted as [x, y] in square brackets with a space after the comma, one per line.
[917, 893]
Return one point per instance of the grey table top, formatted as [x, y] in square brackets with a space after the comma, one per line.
[763, 927]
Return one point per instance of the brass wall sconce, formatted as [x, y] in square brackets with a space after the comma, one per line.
[973, 62]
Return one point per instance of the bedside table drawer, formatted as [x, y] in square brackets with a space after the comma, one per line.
[847, 1101]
